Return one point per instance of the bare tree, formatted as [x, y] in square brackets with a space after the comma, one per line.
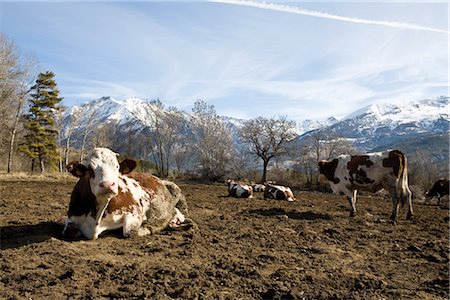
[305, 162]
[268, 138]
[422, 172]
[15, 78]
[87, 130]
[212, 140]
[326, 145]
[166, 124]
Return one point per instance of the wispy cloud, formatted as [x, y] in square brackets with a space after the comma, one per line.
[307, 12]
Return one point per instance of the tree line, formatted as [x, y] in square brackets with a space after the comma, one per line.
[31, 116]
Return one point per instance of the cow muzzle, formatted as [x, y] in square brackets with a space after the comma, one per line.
[107, 187]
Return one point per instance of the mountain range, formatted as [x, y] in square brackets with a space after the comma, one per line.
[374, 127]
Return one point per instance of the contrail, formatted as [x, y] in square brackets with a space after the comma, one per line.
[300, 11]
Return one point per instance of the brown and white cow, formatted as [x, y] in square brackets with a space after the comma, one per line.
[440, 189]
[107, 197]
[238, 190]
[370, 172]
[278, 192]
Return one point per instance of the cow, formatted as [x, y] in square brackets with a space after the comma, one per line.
[108, 197]
[370, 172]
[278, 192]
[238, 190]
[439, 190]
[258, 187]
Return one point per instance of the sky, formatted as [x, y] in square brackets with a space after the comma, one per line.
[298, 59]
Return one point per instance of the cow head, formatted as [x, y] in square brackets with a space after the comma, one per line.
[231, 183]
[103, 170]
[327, 169]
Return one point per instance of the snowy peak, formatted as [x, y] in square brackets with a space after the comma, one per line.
[387, 123]
[308, 125]
[405, 111]
[108, 109]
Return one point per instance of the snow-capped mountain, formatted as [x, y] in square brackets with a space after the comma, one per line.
[382, 124]
[373, 126]
[308, 125]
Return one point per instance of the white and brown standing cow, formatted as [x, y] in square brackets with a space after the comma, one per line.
[440, 189]
[370, 172]
[107, 197]
[238, 190]
[278, 192]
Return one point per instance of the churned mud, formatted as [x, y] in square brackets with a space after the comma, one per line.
[242, 249]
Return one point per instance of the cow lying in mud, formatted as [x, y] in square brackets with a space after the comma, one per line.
[370, 172]
[107, 197]
[278, 192]
[238, 190]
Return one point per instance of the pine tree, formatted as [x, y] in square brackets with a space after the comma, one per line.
[40, 122]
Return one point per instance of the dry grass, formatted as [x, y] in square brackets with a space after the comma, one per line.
[49, 177]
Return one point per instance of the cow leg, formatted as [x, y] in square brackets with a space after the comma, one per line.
[131, 226]
[407, 194]
[395, 205]
[352, 201]
[180, 199]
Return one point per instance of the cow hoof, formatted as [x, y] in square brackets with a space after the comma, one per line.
[186, 225]
[352, 214]
[131, 234]
[71, 232]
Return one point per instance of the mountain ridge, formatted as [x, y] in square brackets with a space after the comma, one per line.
[370, 127]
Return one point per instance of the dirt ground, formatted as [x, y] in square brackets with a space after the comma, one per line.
[242, 249]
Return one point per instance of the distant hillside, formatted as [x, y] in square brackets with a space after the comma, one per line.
[434, 146]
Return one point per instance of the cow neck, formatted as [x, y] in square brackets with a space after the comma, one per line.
[82, 200]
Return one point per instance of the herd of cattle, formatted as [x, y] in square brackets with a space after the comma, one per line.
[108, 196]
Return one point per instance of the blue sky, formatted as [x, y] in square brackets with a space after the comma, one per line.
[300, 59]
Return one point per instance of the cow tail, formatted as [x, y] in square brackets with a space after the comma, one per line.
[404, 190]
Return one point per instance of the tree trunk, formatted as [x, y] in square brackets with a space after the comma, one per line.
[266, 163]
[82, 148]
[66, 151]
[41, 162]
[11, 144]
[13, 136]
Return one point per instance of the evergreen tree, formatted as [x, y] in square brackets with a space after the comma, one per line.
[40, 122]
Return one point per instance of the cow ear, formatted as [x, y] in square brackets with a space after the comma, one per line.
[127, 165]
[77, 169]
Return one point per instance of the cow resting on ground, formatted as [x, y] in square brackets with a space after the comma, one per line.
[278, 192]
[440, 189]
[370, 172]
[258, 187]
[104, 198]
[235, 189]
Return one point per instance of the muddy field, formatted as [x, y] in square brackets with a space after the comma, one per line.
[242, 249]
